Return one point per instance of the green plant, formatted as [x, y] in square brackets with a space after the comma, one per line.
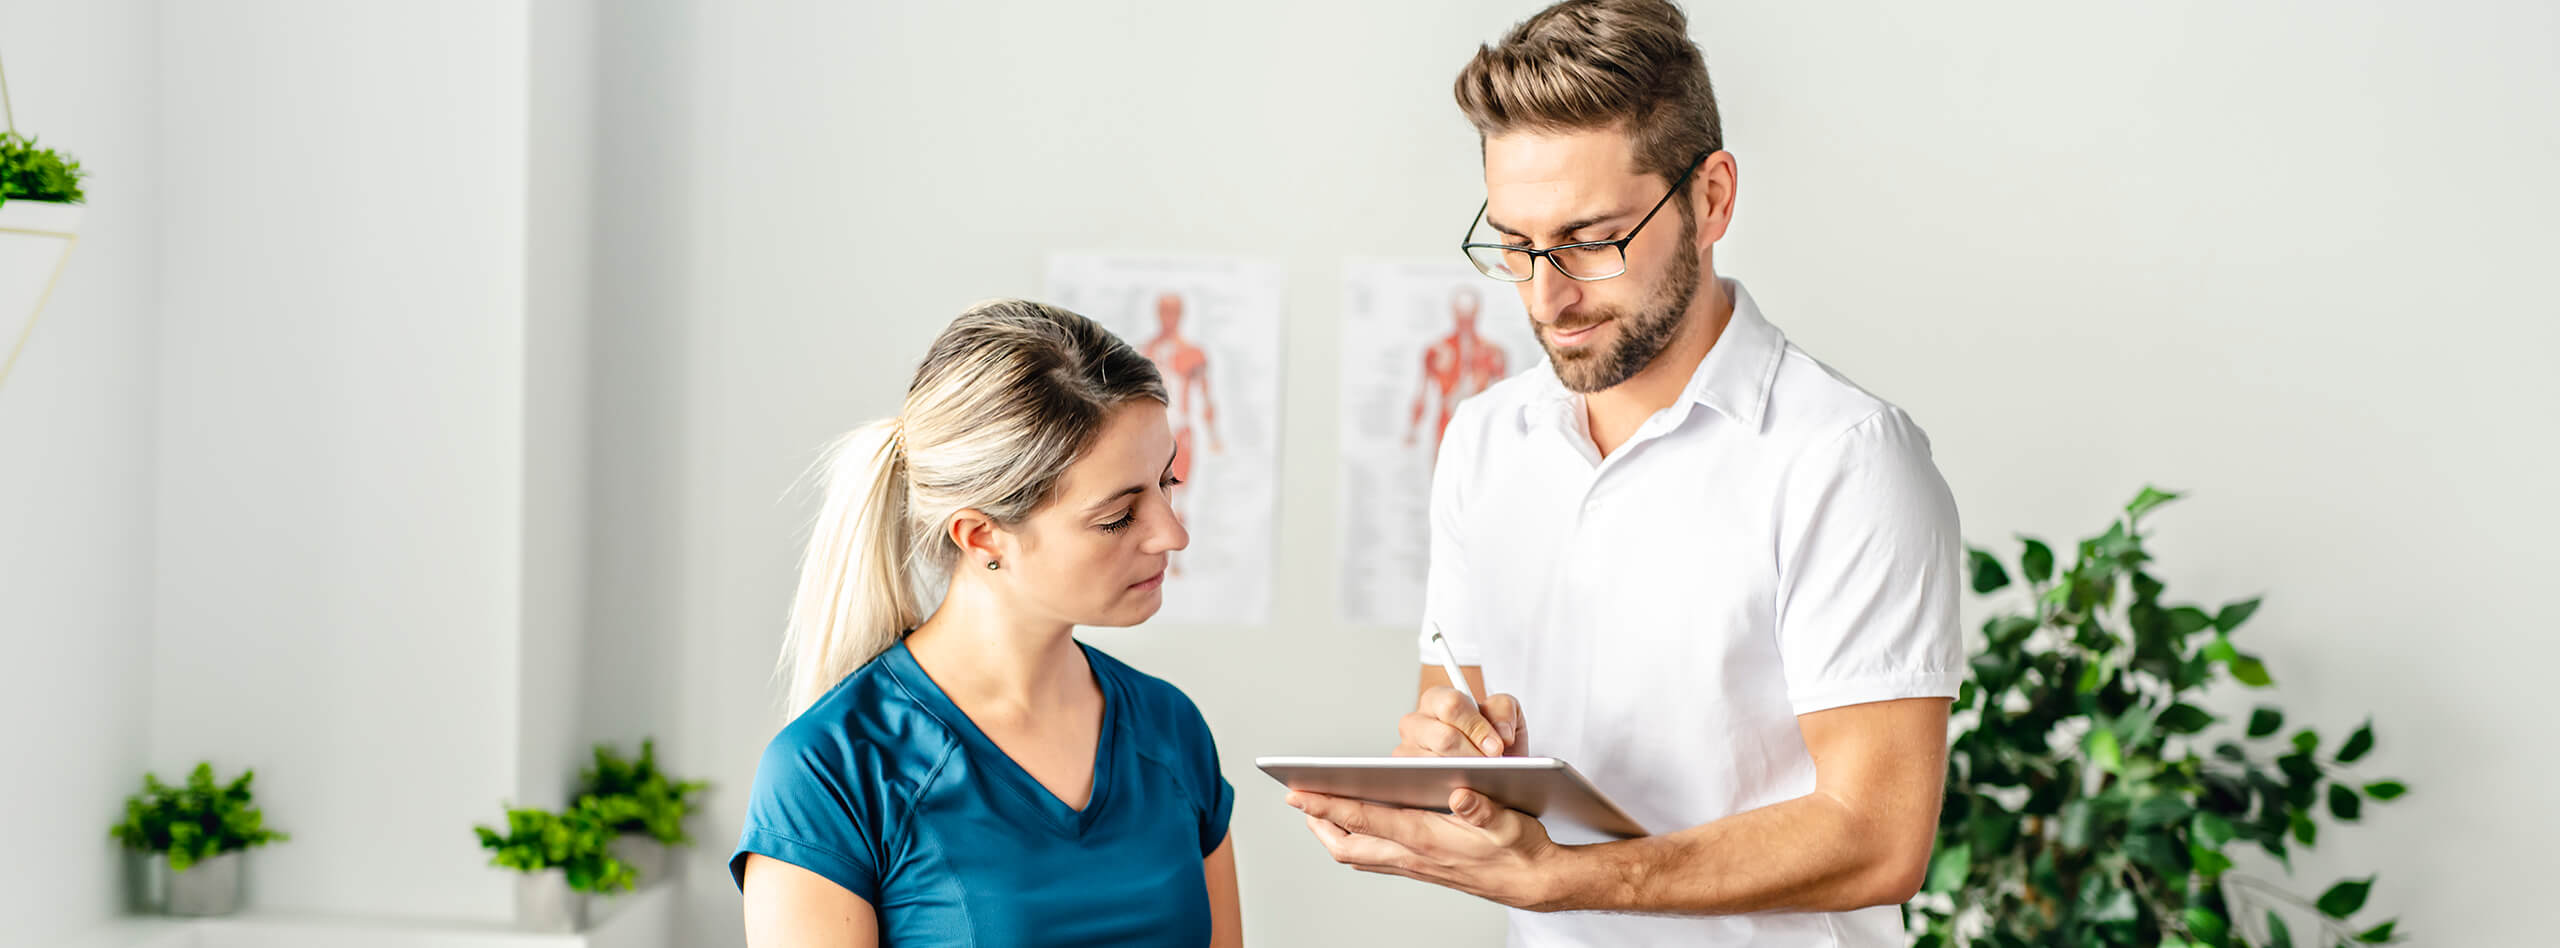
[577, 841]
[35, 173]
[661, 803]
[2078, 809]
[193, 822]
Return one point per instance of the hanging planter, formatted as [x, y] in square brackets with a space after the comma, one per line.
[39, 223]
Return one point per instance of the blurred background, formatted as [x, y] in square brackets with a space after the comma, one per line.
[424, 399]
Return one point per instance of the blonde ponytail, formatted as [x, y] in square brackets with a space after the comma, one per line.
[857, 586]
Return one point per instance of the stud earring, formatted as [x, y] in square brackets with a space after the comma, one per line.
[991, 564]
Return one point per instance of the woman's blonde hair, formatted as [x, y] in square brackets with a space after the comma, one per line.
[1010, 395]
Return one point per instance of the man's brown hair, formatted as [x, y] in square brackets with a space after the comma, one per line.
[1593, 64]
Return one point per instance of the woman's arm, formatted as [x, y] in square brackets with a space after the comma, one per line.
[791, 907]
[1226, 911]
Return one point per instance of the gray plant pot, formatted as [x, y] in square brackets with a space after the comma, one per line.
[647, 856]
[209, 888]
[545, 903]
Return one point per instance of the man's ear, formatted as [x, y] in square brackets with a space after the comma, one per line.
[1711, 197]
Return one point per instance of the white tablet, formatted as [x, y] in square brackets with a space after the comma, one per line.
[1543, 787]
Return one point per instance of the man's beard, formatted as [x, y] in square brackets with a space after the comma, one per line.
[1642, 335]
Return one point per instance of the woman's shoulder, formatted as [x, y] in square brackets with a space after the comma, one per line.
[869, 724]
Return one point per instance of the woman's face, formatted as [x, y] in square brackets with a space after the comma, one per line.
[1096, 553]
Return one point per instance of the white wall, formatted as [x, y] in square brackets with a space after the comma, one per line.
[75, 474]
[559, 213]
[343, 444]
[2278, 254]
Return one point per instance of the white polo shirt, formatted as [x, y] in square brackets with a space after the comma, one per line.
[1775, 543]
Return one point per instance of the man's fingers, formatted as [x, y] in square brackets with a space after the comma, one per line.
[1431, 737]
[1472, 807]
[1509, 722]
[1455, 709]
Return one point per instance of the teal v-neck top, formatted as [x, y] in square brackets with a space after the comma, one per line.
[886, 788]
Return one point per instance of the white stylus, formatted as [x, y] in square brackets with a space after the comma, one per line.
[1449, 663]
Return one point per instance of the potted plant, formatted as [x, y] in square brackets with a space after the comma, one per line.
[2091, 799]
[199, 831]
[562, 859]
[659, 805]
[40, 201]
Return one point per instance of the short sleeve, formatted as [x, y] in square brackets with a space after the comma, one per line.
[803, 811]
[1216, 797]
[1869, 570]
[1446, 598]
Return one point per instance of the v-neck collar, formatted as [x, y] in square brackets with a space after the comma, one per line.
[1000, 766]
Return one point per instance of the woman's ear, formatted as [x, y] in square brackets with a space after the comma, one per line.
[980, 540]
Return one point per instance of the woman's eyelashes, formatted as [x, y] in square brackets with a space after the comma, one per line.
[1130, 516]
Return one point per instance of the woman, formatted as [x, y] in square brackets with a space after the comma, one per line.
[976, 776]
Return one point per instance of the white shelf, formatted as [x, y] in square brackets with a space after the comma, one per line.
[642, 919]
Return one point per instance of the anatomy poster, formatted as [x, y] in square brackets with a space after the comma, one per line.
[1417, 338]
[1212, 326]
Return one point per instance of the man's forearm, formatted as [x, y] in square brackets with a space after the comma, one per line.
[1809, 854]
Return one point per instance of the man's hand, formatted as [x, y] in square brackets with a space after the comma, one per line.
[1479, 847]
[1444, 723]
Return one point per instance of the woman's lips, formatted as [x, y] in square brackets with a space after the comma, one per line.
[1150, 582]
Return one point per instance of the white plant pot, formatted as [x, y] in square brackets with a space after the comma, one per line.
[647, 856]
[209, 888]
[545, 903]
[35, 242]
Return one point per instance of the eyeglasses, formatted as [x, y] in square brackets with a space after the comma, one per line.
[1586, 261]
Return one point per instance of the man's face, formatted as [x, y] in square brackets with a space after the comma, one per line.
[1548, 188]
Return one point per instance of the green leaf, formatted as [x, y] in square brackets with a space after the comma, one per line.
[2232, 615]
[2185, 719]
[2101, 744]
[2345, 898]
[2267, 719]
[2307, 741]
[2160, 810]
[2149, 498]
[2207, 925]
[2344, 804]
[2188, 620]
[2212, 830]
[2385, 790]
[2037, 562]
[2220, 650]
[2304, 831]
[2208, 863]
[2378, 934]
[2357, 744]
[1987, 574]
[1947, 869]
[2250, 672]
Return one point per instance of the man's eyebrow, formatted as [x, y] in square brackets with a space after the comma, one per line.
[1569, 227]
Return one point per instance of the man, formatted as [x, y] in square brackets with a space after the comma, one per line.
[1455, 368]
[1717, 576]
